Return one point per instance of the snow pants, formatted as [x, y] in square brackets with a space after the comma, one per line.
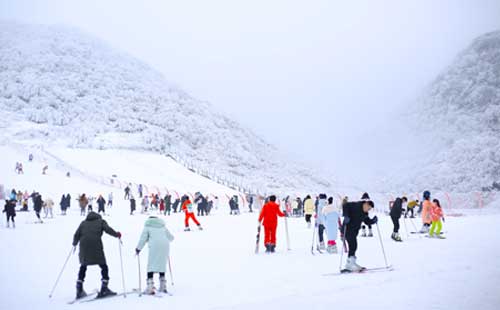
[351, 236]
[104, 272]
[436, 228]
[308, 218]
[395, 221]
[10, 217]
[321, 230]
[190, 216]
[270, 235]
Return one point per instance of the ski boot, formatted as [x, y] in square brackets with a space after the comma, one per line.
[332, 249]
[163, 285]
[322, 245]
[396, 237]
[425, 229]
[309, 225]
[105, 291]
[187, 229]
[80, 293]
[8, 225]
[363, 231]
[199, 227]
[272, 247]
[268, 248]
[352, 266]
[370, 232]
[150, 287]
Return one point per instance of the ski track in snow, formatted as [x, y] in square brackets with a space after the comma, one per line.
[217, 268]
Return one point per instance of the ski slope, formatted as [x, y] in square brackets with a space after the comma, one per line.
[217, 268]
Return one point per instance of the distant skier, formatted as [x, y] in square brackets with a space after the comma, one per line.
[139, 189]
[354, 214]
[30, 157]
[101, 204]
[44, 170]
[145, 204]
[308, 210]
[188, 209]
[395, 213]
[331, 220]
[62, 204]
[10, 212]
[48, 207]
[320, 221]
[366, 197]
[127, 192]
[89, 235]
[411, 208]
[175, 205]
[269, 219]
[37, 205]
[110, 200]
[168, 204]
[250, 203]
[132, 205]
[437, 216]
[426, 213]
[83, 202]
[158, 238]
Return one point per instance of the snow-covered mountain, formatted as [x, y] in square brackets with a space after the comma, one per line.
[458, 118]
[60, 86]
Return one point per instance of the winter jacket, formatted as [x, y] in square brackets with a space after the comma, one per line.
[354, 210]
[49, 203]
[132, 204]
[426, 212]
[101, 203]
[89, 235]
[38, 203]
[330, 217]
[397, 208]
[10, 207]
[83, 201]
[187, 206]
[269, 214]
[158, 238]
[309, 206]
[321, 204]
[436, 213]
[412, 204]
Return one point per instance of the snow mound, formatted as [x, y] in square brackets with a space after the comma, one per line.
[60, 86]
[458, 118]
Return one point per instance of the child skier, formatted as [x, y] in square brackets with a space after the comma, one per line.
[396, 211]
[158, 238]
[269, 219]
[331, 220]
[437, 215]
[308, 210]
[188, 209]
[89, 235]
[426, 213]
[366, 197]
[354, 214]
[10, 211]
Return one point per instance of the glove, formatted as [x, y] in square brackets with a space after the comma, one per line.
[375, 220]
[346, 220]
[137, 251]
[119, 235]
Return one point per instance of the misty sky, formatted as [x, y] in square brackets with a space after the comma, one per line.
[316, 78]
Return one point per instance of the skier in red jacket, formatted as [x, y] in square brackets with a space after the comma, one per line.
[269, 218]
[187, 207]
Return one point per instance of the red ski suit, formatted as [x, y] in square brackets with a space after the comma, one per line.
[187, 207]
[269, 216]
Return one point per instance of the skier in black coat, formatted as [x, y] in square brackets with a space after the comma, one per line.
[168, 204]
[10, 211]
[127, 193]
[89, 235]
[101, 204]
[63, 204]
[354, 214]
[176, 205]
[132, 205]
[37, 205]
[396, 211]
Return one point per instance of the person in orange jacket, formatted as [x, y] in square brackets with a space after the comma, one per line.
[437, 216]
[426, 213]
[187, 207]
[269, 218]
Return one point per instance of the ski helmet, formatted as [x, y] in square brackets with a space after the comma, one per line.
[427, 195]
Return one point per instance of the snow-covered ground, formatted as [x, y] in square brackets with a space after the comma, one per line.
[217, 268]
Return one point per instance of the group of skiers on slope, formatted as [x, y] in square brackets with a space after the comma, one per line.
[86, 203]
[91, 252]
[431, 211]
[17, 198]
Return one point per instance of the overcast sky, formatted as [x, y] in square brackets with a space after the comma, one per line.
[316, 78]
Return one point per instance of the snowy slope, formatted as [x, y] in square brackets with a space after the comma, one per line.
[58, 85]
[217, 269]
[458, 121]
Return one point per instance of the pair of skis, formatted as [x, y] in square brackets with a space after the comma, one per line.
[362, 271]
[94, 296]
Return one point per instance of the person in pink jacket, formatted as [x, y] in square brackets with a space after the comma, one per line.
[436, 214]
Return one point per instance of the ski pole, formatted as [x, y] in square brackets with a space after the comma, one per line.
[382, 245]
[313, 239]
[121, 265]
[345, 248]
[61, 272]
[170, 270]
[140, 278]
[287, 235]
